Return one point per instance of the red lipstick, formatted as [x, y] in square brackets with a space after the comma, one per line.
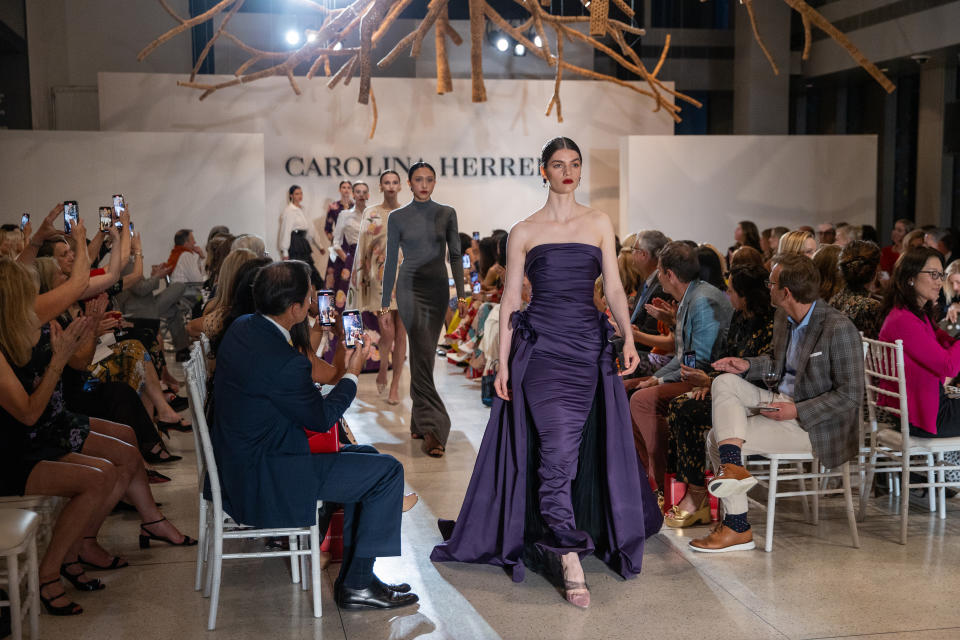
[567, 181]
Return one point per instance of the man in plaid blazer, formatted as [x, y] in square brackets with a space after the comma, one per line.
[818, 356]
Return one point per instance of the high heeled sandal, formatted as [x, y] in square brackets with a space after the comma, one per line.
[116, 562]
[678, 518]
[72, 609]
[146, 536]
[90, 585]
[179, 425]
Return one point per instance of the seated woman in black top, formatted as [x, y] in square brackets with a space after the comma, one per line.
[689, 415]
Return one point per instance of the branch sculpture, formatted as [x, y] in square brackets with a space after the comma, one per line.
[326, 52]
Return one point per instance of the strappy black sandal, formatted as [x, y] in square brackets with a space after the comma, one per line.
[146, 536]
[90, 585]
[117, 562]
[72, 609]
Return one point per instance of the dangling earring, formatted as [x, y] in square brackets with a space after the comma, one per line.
[910, 283]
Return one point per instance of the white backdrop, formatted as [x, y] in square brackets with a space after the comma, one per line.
[700, 187]
[170, 180]
[413, 122]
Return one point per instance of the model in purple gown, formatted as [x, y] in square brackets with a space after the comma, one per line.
[557, 470]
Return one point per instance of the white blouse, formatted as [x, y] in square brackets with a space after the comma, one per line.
[292, 219]
[348, 227]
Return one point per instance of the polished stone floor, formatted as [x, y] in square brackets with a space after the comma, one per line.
[813, 585]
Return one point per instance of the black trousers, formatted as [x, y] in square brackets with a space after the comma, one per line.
[948, 419]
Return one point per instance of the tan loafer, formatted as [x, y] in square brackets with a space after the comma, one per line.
[732, 480]
[722, 539]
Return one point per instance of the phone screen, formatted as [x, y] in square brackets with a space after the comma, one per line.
[106, 217]
[449, 282]
[24, 219]
[476, 236]
[71, 213]
[118, 225]
[118, 204]
[131, 228]
[352, 328]
[325, 304]
[476, 288]
[466, 262]
[690, 359]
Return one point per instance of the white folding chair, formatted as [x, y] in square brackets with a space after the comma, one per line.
[195, 367]
[18, 536]
[795, 470]
[894, 449]
[218, 530]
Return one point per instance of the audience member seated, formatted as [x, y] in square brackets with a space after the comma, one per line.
[799, 241]
[186, 259]
[826, 233]
[712, 265]
[252, 242]
[818, 354]
[744, 235]
[826, 260]
[747, 256]
[951, 290]
[12, 241]
[911, 240]
[930, 355]
[243, 302]
[889, 254]
[48, 450]
[702, 321]
[859, 262]
[170, 306]
[629, 274]
[646, 253]
[267, 471]
[774, 245]
[211, 322]
[689, 414]
[942, 241]
[218, 248]
[847, 233]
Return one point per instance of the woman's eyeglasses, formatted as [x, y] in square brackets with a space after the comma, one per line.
[936, 275]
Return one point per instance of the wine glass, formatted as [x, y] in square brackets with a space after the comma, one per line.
[771, 378]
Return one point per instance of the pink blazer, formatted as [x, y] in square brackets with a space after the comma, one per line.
[929, 356]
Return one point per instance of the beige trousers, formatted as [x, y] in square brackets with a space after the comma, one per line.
[731, 396]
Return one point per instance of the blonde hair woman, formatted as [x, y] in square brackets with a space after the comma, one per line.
[629, 274]
[211, 322]
[37, 435]
[250, 241]
[798, 241]
[11, 242]
[911, 240]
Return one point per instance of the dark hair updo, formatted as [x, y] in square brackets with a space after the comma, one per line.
[420, 165]
[387, 172]
[555, 145]
[290, 192]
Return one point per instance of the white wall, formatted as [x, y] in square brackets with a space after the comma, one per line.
[413, 122]
[699, 187]
[170, 180]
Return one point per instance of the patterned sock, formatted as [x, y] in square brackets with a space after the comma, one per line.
[730, 454]
[736, 521]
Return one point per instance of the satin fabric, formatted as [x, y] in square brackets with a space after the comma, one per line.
[561, 366]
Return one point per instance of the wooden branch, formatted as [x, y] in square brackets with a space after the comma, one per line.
[663, 57]
[807, 36]
[756, 35]
[209, 45]
[167, 8]
[444, 78]
[531, 6]
[293, 83]
[452, 33]
[342, 73]
[392, 14]
[599, 15]
[555, 100]
[433, 10]
[183, 26]
[373, 106]
[477, 25]
[625, 8]
[371, 20]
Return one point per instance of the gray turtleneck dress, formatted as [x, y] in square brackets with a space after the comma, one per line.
[424, 232]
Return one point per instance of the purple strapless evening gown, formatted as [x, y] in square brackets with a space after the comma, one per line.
[557, 469]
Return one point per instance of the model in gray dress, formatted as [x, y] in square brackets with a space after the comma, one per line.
[424, 231]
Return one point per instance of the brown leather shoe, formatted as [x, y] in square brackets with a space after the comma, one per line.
[723, 539]
[732, 480]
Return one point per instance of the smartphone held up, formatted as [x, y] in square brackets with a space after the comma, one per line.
[106, 219]
[352, 328]
[325, 307]
[71, 214]
[24, 219]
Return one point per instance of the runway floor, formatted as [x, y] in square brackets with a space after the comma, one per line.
[813, 585]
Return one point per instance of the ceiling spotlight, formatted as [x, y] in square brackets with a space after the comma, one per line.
[311, 36]
[538, 41]
[519, 49]
[292, 37]
[338, 46]
[502, 44]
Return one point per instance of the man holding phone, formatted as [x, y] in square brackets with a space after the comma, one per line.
[264, 398]
[818, 356]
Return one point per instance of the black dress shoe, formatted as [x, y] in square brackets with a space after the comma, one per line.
[376, 596]
[403, 587]
[179, 404]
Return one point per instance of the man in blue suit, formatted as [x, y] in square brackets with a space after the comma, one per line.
[264, 397]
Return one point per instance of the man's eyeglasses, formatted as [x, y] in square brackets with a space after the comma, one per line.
[770, 283]
[936, 275]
